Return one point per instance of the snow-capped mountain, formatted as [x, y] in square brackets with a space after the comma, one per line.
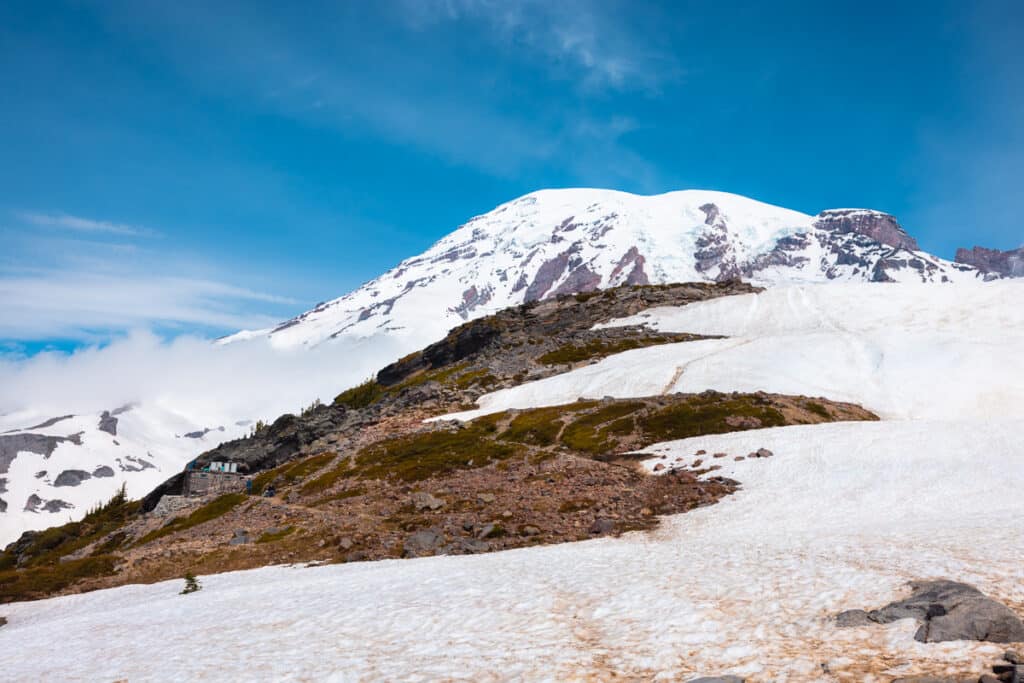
[543, 244]
[563, 241]
[57, 468]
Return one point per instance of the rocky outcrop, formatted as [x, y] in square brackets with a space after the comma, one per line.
[40, 444]
[947, 610]
[878, 226]
[103, 472]
[993, 261]
[108, 423]
[71, 478]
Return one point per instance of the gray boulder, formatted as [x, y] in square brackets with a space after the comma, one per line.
[103, 471]
[424, 501]
[947, 610]
[71, 478]
[241, 537]
[423, 543]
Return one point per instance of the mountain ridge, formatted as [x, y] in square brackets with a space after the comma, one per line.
[552, 242]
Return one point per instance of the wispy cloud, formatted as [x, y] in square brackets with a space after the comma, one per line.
[572, 35]
[84, 305]
[80, 224]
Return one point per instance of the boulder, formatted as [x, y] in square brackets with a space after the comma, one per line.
[424, 501]
[947, 610]
[103, 471]
[423, 543]
[71, 478]
[241, 537]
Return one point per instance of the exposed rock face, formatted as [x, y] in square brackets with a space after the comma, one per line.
[3, 505]
[71, 478]
[880, 227]
[108, 423]
[40, 444]
[993, 261]
[947, 610]
[102, 472]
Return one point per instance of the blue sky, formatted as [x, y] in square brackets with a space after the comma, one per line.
[200, 167]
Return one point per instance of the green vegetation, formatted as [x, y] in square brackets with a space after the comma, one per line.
[290, 472]
[587, 433]
[276, 536]
[360, 396]
[420, 456]
[537, 427]
[708, 414]
[212, 510]
[817, 409]
[600, 348]
[191, 584]
[49, 545]
[22, 584]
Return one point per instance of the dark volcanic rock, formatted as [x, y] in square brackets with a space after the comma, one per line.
[947, 610]
[1006, 263]
[71, 478]
[880, 227]
[108, 423]
[40, 444]
[56, 505]
[103, 472]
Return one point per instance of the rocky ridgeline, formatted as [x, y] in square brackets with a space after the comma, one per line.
[993, 262]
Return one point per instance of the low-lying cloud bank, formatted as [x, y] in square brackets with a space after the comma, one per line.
[190, 375]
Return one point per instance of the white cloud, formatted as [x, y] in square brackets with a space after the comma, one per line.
[76, 305]
[79, 224]
[190, 376]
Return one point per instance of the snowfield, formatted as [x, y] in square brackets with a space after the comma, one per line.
[841, 517]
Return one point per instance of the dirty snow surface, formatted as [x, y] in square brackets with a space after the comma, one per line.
[841, 517]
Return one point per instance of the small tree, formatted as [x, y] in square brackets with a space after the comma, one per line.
[191, 584]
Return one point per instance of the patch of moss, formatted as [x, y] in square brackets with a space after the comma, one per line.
[276, 536]
[538, 427]
[217, 507]
[360, 396]
[708, 415]
[21, 584]
[586, 433]
[481, 377]
[429, 454]
[817, 409]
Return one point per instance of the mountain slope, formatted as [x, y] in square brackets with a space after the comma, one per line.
[561, 241]
[842, 516]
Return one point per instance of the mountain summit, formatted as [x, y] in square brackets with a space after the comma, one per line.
[555, 242]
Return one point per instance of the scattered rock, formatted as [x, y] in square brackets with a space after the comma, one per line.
[424, 501]
[1013, 657]
[40, 474]
[853, 618]
[701, 452]
[241, 537]
[719, 455]
[947, 610]
[739, 458]
[108, 423]
[717, 679]
[3, 621]
[602, 526]
[659, 467]
[486, 497]
[102, 472]
[345, 543]
[764, 453]
[530, 530]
